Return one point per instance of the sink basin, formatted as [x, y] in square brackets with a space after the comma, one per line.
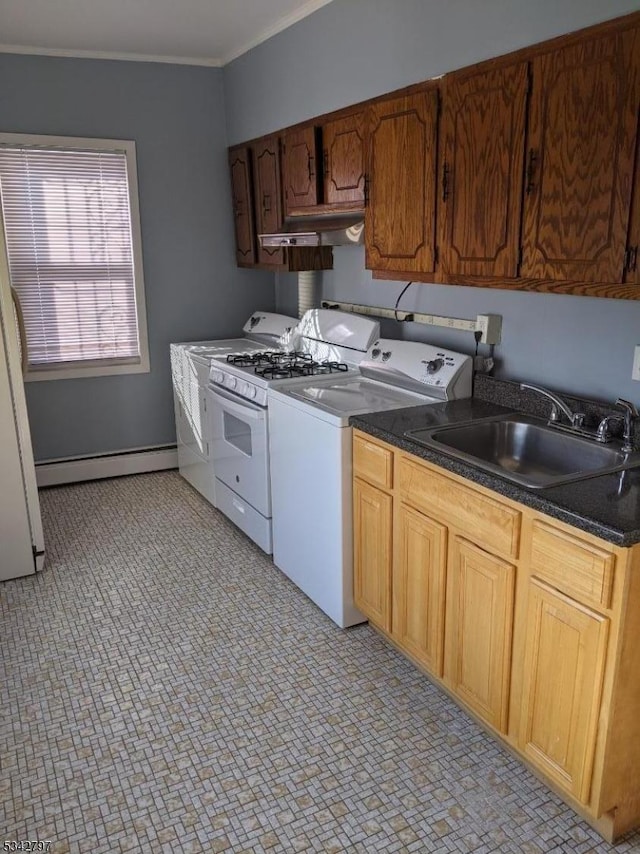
[525, 450]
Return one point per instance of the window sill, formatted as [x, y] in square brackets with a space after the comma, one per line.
[74, 373]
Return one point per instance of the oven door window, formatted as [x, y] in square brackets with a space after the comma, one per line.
[237, 433]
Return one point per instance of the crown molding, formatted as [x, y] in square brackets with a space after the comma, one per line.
[209, 62]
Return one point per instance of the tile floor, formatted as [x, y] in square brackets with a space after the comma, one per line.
[165, 688]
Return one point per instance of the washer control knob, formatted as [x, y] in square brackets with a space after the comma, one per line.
[434, 366]
[375, 352]
[386, 355]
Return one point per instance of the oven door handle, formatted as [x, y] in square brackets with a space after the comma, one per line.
[231, 402]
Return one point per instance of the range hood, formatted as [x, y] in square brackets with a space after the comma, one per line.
[332, 229]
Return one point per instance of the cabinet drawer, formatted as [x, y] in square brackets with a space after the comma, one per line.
[372, 462]
[572, 565]
[486, 522]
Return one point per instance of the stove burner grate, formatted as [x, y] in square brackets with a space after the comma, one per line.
[268, 358]
[295, 367]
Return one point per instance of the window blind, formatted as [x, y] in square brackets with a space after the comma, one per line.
[68, 232]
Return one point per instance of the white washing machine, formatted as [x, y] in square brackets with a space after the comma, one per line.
[310, 452]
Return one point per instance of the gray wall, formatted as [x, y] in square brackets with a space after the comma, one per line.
[351, 50]
[176, 116]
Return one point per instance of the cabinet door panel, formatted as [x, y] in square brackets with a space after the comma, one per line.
[564, 666]
[419, 576]
[372, 552]
[300, 168]
[483, 128]
[582, 133]
[240, 166]
[343, 142]
[479, 624]
[266, 156]
[400, 221]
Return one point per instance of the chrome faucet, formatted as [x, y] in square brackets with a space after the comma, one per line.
[630, 413]
[576, 419]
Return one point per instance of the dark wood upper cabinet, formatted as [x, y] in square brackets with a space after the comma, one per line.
[243, 217]
[323, 166]
[400, 217]
[343, 160]
[268, 196]
[301, 168]
[482, 138]
[529, 174]
[580, 159]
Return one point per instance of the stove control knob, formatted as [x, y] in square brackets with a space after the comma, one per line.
[386, 355]
[216, 376]
[434, 366]
[251, 392]
[375, 353]
[231, 382]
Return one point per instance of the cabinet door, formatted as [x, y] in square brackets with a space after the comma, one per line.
[479, 627]
[300, 168]
[343, 160]
[563, 670]
[266, 158]
[400, 220]
[483, 139]
[240, 166]
[372, 552]
[419, 575]
[581, 143]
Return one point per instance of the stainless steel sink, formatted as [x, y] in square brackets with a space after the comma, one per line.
[525, 450]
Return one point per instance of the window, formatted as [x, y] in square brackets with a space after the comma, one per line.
[72, 229]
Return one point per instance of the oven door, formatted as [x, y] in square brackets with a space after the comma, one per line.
[240, 448]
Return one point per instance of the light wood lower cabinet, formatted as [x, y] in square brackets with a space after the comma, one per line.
[531, 624]
[563, 670]
[480, 600]
[372, 552]
[419, 577]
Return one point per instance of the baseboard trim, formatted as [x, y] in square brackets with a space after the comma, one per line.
[139, 461]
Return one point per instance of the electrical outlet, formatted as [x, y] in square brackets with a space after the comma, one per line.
[635, 371]
[491, 327]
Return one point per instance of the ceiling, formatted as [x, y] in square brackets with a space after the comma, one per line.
[195, 32]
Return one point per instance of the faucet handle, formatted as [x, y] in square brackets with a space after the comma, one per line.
[554, 415]
[602, 433]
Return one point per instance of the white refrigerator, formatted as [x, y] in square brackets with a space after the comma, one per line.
[21, 538]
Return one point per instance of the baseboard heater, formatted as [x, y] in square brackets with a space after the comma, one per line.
[96, 467]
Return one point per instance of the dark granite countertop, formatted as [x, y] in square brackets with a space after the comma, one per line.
[607, 506]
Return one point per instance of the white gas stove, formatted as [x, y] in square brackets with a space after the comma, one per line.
[327, 344]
